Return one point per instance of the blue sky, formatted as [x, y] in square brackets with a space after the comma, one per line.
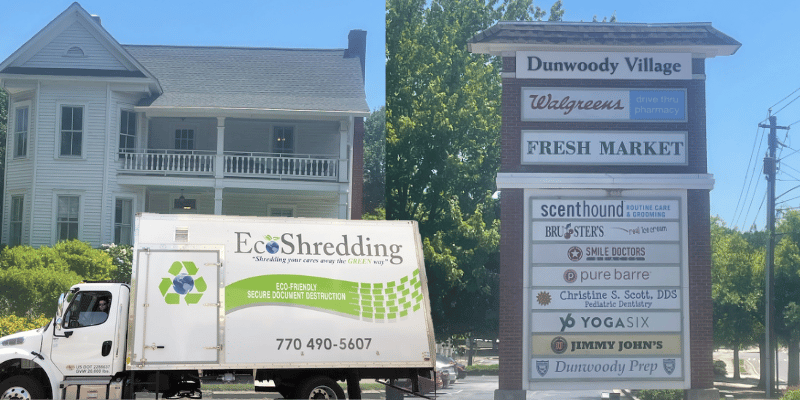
[739, 89]
[248, 23]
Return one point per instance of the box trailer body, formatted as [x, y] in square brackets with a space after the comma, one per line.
[299, 302]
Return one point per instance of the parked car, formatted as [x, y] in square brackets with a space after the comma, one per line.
[444, 365]
[426, 384]
[461, 369]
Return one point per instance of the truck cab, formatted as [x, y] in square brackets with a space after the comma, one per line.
[79, 354]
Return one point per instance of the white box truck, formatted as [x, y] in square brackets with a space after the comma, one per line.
[300, 303]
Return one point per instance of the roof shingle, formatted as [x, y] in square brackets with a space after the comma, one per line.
[254, 78]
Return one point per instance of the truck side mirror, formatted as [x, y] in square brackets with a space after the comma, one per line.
[60, 311]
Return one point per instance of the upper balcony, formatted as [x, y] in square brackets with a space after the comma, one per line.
[301, 150]
[234, 164]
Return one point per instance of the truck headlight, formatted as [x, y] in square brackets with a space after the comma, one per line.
[13, 341]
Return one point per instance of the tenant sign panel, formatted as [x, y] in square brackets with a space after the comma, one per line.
[606, 300]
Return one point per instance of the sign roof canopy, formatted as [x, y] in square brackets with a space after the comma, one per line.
[700, 38]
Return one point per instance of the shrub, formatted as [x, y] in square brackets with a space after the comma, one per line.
[13, 324]
[660, 394]
[791, 395]
[482, 369]
[720, 369]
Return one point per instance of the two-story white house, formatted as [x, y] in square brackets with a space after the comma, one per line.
[98, 131]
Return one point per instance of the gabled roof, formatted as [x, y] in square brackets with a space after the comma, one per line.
[254, 78]
[125, 65]
[697, 38]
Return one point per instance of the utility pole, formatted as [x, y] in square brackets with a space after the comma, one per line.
[770, 164]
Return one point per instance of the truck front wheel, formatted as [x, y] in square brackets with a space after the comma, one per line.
[320, 387]
[20, 388]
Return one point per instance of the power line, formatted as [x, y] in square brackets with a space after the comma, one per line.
[795, 91]
[787, 104]
[751, 166]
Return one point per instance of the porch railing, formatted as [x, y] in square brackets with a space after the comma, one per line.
[281, 165]
[253, 165]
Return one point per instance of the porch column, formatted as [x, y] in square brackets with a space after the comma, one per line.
[344, 205]
[217, 201]
[220, 159]
[344, 150]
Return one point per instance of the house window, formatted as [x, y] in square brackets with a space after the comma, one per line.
[283, 140]
[123, 221]
[15, 236]
[184, 139]
[68, 217]
[71, 130]
[21, 132]
[281, 212]
[127, 131]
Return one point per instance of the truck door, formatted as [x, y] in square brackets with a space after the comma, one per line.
[84, 346]
[181, 317]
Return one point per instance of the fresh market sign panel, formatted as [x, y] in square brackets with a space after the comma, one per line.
[606, 148]
[577, 104]
[588, 65]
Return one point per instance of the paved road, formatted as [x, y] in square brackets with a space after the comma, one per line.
[751, 358]
[471, 388]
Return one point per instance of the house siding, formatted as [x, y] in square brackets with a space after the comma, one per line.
[114, 191]
[96, 55]
[79, 176]
[19, 171]
[321, 205]
[92, 80]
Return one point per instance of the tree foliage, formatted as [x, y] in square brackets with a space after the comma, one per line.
[442, 150]
[374, 160]
[737, 289]
[32, 279]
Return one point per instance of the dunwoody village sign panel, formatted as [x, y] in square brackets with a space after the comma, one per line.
[605, 263]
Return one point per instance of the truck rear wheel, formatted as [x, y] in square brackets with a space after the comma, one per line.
[320, 387]
[21, 388]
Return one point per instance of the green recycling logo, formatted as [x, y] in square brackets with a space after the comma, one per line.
[183, 284]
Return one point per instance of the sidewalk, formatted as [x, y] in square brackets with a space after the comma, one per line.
[744, 388]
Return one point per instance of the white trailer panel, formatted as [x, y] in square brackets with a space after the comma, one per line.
[248, 292]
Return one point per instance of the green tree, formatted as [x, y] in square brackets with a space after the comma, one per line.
[374, 160]
[442, 150]
[32, 279]
[736, 290]
[787, 289]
